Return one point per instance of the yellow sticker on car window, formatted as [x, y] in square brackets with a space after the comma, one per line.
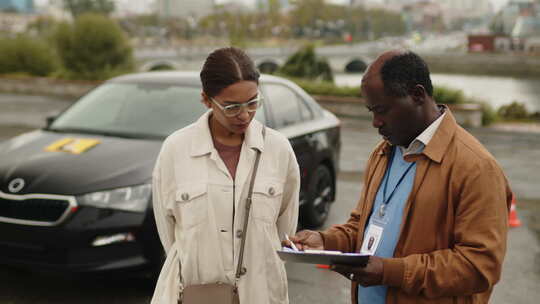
[72, 145]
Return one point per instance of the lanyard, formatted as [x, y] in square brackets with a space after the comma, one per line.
[385, 202]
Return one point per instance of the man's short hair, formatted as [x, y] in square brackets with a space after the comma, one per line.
[401, 73]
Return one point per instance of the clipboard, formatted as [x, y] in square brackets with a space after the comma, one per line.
[325, 258]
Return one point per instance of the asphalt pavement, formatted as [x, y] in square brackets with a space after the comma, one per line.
[517, 152]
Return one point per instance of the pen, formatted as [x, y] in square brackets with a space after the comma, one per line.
[292, 244]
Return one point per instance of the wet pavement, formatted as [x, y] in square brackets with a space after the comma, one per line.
[517, 152]
[28, 110]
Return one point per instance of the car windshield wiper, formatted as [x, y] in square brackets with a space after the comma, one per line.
[106, 133]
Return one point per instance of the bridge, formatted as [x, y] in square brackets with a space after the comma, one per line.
[338, 56]
[342, 58]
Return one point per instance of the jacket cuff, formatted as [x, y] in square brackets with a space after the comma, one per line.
[393, 271]
[330, 242]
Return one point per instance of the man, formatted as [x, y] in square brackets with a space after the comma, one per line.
[433, 210]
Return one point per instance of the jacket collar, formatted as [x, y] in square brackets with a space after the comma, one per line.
[438, 144]
[440, 141]
[203, 144]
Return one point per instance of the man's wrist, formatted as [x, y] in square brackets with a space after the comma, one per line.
[393, 271]
[322, 237]
[330, 241]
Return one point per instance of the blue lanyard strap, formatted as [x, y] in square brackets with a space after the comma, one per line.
[385, 200]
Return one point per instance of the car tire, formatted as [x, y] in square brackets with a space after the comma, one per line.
[319, 197]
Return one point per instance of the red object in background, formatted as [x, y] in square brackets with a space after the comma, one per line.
[347, 37]
[481, 43]
[323, 266]
[513, 220]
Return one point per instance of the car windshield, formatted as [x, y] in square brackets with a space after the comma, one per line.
[133, 110]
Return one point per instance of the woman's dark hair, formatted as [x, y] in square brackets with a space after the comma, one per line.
[224, 67]
[401, 73]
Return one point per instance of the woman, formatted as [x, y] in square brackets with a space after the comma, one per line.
[200, 185]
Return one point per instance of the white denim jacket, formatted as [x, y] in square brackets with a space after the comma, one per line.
[199, 212]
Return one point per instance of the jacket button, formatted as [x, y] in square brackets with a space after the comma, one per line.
[185, 196]
[243, 271]
[271, 191]
[239, 234]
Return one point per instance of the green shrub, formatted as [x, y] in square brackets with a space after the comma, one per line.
[513, 111]
[305, 64]
[489, 115]
[162, 67]
[442, 95]
[448, 96]
[326, 88]
[42, 26]
[25, 55]
[93, 48]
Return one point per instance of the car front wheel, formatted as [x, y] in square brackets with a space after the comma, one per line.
[321, 191]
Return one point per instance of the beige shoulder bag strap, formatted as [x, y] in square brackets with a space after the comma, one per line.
[239, 269]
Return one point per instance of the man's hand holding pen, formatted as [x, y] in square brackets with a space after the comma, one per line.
[370, 275]
[305, 239]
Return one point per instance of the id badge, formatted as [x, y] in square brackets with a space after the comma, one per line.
[372, 239]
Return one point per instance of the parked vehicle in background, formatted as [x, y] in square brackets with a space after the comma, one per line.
[75, 196]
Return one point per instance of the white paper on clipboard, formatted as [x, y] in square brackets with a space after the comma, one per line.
[322, 257]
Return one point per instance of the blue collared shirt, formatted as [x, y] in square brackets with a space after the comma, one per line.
[391, 221]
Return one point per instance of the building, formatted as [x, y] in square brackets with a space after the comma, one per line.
[482, 43]
[126, 8]
[184, 8]
[515, 8]
[466, 14]
[423, 16]
[450, 10]
[466, 8]
[55, 9]
[398, 2]
[526, 34]
[15, 22]
[532, 46]
[477, 6]
[263, 4]
[17, 6]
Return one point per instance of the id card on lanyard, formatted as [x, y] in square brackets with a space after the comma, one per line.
[373, 234]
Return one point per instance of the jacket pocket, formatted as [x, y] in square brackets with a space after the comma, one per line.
[267, 198]
[192, 204]
[277, 279]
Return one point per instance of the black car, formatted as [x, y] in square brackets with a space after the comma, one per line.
[75, 196]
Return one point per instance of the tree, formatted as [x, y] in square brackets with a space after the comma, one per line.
[497, 24]
[94, 47]
[318, 19]
[42, 26]
[274, 15]
[79, 7]
[10, 10]
[306, 64]
[26, 55]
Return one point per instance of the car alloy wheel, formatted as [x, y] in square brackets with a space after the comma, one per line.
[321, 192]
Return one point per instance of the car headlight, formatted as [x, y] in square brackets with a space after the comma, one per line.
[128, 199]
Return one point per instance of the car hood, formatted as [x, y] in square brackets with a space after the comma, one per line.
[71, 164]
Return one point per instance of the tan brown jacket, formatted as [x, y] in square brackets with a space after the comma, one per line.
[453, 234]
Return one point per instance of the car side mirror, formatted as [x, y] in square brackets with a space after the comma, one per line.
[50, 119]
